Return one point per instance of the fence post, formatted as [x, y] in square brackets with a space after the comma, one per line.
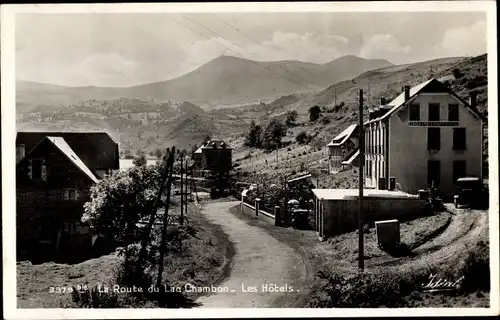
[257, 206]
[242, 203]
[277, 216]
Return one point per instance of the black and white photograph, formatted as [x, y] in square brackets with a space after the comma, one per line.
[191, 160]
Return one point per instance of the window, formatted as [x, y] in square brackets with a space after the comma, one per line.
[36, 169]
[414, 112]
[71, 194]
[20, 152]
[459, 170]
[459, 139]
[453, 112]
[434, 112]
[433, 172]
[433, 138]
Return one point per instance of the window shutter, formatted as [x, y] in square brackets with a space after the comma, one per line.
[30, 169]
[44, 171]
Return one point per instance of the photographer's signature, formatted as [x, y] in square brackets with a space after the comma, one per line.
[440, 284]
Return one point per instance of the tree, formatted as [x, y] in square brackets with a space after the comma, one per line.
[206, 138]
[140, 159]
[193, 150]
[120, 200]
[158, 153]
[253, 136]
[272, 134]
[303, 138]
[314, 113]
[291, 118]
[127, 154]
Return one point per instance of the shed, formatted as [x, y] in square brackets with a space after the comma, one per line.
[336, 210]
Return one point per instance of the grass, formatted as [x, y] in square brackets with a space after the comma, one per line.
[34, 282]
[413, 234]
[204, 260]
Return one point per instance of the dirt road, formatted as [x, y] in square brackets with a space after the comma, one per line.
[262, 265]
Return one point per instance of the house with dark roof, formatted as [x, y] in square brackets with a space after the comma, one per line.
[426, 135]
[212, 156]
[54, 173]
[343, 150]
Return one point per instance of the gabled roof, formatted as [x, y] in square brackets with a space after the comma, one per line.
[343, 136]
[399, 101]
[199, 150]
[61, 144]
[351, 158]
[96, 149]
[65, 149]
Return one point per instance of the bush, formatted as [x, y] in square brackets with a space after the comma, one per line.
[314, 113]
[85, 298]
[303, 138]
[363, 291]
[457, 73]
[476, 269]
[291, 118]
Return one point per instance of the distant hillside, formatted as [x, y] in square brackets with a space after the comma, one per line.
[339, 104]
[224, 80]
[381, 83]
[134, 123]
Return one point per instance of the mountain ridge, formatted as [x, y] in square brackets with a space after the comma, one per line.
[223, 80]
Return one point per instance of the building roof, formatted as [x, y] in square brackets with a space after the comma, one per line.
[353, 157]
[399, 101]
[97, 150]
[215, 144]
[343, 136]
[61, 144]
[298, 178]
[350, 194]
[199, 150]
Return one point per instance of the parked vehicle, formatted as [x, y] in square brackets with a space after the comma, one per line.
[470, 193]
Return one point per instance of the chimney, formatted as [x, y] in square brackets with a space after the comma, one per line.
[407, 92]
[382, 101]
[473, 99]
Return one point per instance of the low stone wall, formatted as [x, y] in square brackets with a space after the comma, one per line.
[260, 214]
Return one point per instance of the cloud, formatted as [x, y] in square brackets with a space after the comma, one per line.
[463, 41]
[310, 47]
[383, 46]
[103, 69]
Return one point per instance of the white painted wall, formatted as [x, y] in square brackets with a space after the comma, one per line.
[408, 146]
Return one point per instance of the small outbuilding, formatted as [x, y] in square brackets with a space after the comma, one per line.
[336, 210]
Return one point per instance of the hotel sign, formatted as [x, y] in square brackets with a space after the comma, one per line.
[434, 123]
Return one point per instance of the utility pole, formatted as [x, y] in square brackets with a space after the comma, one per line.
[361, 255]
[165, 222]
[368, 93]
[185, 193]
[169, 160]
[182, 191]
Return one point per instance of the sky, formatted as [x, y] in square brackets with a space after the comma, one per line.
[126, 49]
